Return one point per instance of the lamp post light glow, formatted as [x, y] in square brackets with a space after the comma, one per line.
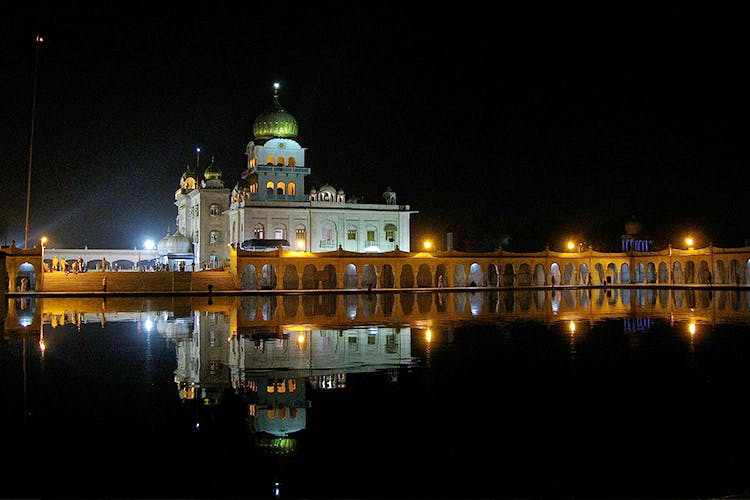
[148, 244]
[689, 242]
[571, 246]
[427, 244]
[300, 245]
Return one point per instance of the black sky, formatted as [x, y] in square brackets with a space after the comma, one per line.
[513, 125]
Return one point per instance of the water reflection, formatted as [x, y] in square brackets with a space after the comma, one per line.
[272, 358]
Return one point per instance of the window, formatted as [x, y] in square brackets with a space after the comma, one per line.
[278, 233]
[390, 232]
[291, 189]
[215, 210]
[280, 188]
[351, 234]
[269, 160]
[258, 232]
[269, 187]
[213, 237]
[370, 236]
[292, 161]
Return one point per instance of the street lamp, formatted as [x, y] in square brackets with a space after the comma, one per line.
[689, 242]
[571, 246]
[427, 245]
[43, 241]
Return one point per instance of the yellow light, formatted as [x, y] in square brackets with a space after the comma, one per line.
[44, 240]
[301, 338]
[571, 245]
[689, 241]
[300, 244]
[427, 244]
[572, 327]
[691, 328]
[428, 335]
[42, 345]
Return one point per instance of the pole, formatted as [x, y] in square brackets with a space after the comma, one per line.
[38, 42]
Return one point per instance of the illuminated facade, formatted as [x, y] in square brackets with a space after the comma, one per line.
[270, 201]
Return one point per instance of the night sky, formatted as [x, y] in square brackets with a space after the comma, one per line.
[520, 126]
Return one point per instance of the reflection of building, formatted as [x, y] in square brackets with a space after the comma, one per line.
[272, 372]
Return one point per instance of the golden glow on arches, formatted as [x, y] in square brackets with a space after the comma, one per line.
[280, 188]
[269, 185]
[292, 189]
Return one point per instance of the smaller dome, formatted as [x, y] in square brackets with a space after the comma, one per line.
[187, 174]
[633, 226]
[212, 171]
[161, 246]
[179, 243]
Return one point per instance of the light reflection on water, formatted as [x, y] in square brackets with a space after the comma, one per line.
[617, 392]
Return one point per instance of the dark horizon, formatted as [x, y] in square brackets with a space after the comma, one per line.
[518, 129]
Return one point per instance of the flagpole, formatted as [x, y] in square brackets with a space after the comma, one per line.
[38, 42]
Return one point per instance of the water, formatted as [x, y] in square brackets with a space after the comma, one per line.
[624, 393]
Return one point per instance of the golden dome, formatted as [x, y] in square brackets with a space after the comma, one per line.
[276, 122]
[212, 171]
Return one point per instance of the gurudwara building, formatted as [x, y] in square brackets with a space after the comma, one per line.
[270, 202]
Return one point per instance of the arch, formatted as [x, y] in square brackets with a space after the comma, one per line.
[721, 272]
[704, 273]
[351, 280]
[640, 273]
[524, 276]
[424, 276]
[441, 276]
[583, 272]
[281, 188]
[508, 277]
[459, 275]
[25, 280]
[599, 271]
[268, 277]
[369, 276]
[269, 187]
[540, 278]
[476, 276]
[650, 273]
[387, 279]
[663, 276]
[309, 281]
[735, 271]
[611, 273]
[555, 277]
[406, 280]
[249, 280]
[291, 278]
[291, 188]
[280, 161]
[624, 273]
[569, 275]
[330, 279]
[259, 231]
[677, 274]
[292, 162]
[690, 274]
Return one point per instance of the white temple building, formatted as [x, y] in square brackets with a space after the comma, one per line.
[270, 203]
